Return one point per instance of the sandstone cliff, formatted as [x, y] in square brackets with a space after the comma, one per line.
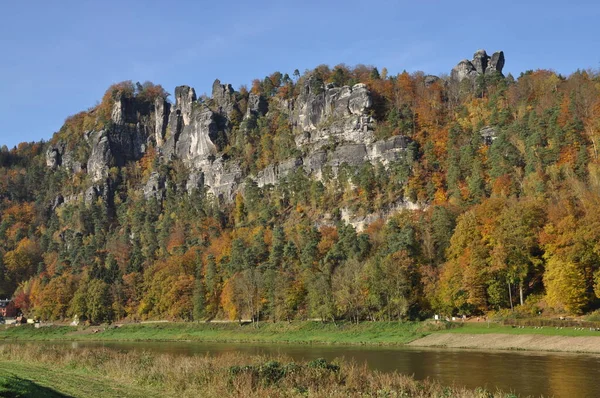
[332, 126]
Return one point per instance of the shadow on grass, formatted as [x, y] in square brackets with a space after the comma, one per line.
[15, 387]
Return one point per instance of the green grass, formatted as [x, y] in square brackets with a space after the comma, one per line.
[18, 379]
[378, 333]
[366, 333]
[13, 386]
[484, 328]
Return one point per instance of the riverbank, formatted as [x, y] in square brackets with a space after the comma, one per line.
[372, 333]
[484, 336]
[495, 341]
[35, 370]
[426, 334]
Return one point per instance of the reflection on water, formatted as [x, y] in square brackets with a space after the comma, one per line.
[558, 375]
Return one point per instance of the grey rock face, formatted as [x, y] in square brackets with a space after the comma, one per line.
[328, 113]
[223, 95]
[350, 154]
[464, 70]
[314, 163]
[59, 156]
[53, 158]
[90, 195]
[222, 179]
[317, 103]
[196, 141]
[134, 125]
[257, 106]
[127, 143]
[273, 173]
[332, 124]
[185, 96]
[172, 134]
[429, 80]
[195, 181]
[155, 187]
[192, 129]
[496, 63]
[481, 64]
[389, 150]
[361, 222]
[480, 60]
[101, 158]
[94, 193]
[359, 99]
[161, 115]
[488, 135]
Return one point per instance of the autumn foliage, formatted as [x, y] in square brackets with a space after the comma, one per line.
[510, 222]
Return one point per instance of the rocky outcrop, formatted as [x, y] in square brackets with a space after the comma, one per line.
[488, 135]
[495, 63]
[196, 141]
[185, 97]
[136, 123]
[59, 156]
[389, 150]
[161, 116]
[224, 97]
[53, 158]
[192, 129]
[332, 127]
[323, 114]
[351, 154]
[195, 181]
[314, 163]
[189, 130]
[222, 179]
[155, 187]
[275, 172]
[430, 80]
[317, 103]
[96, 192]
[257, 106]
[361, 222]
[101, 158]
[482, 64]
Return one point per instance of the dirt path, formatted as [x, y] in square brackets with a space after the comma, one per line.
[532, 342]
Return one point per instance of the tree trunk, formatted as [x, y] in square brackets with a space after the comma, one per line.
[510, 297]
[521, 291]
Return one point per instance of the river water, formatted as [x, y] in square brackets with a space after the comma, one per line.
[524, 373]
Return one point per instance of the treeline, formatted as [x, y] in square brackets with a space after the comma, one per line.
[508, 223]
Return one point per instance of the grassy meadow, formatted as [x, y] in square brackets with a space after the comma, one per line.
[306, 332]
[378, 333]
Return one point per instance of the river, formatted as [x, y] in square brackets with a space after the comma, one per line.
[524, 373]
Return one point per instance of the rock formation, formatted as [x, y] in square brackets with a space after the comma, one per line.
[332, 126]
[481, 64]
[257, 106]
[224, 97]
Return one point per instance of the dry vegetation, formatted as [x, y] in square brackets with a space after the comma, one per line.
[231, 375]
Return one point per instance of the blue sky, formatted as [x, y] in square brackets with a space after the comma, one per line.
[58, 58]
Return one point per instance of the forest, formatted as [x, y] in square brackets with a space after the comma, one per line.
[508, 223]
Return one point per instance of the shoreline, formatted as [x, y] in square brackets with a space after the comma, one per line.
[511, 342]
[385, 334]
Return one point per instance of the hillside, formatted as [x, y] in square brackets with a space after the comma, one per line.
[341, 193]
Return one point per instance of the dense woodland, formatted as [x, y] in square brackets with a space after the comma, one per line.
[508, 224]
